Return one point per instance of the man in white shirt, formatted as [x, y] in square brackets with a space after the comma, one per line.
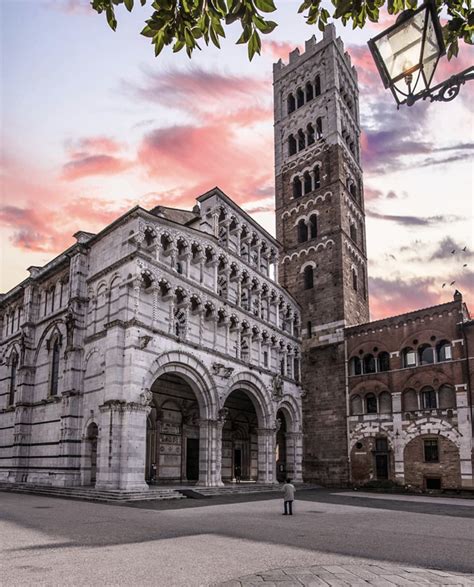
[288, 497]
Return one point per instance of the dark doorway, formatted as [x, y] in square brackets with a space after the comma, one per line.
[237, 464]
[381, 466]
[92, 433]
[192, 459]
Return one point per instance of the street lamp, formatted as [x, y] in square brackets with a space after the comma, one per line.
[407, 53]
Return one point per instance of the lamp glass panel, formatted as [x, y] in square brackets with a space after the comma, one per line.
[401, 49]
[431, 51]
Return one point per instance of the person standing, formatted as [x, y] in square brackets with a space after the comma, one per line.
[288, 497]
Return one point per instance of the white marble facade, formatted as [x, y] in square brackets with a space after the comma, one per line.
[161, 348]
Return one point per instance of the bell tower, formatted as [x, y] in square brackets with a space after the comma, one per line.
[320, 223]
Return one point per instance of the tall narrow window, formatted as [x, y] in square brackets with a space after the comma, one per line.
[428, 399]
[297, 188]
[13, 373]
[308, 277]
[317, 86]
[301, 140]
[299, 98]
[431, 452]
[53, 389]
[309, 328]
[310, 134]
[443, 351]
[319, 128]
[291, 145]
[291, 104]
[309, 92]
[52, 294]
[353, 231]
[308, 184]
[370, 404]
[313, 226]
[354, 279]
[302, 231]
[317, 178]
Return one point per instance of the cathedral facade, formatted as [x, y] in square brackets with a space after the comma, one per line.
[191, 347]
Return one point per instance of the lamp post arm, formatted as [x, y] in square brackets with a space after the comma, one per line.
[444, 91]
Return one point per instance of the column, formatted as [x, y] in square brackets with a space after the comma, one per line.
[464, 425]
[210, 452]
[294, 455]
[398, 444]
[266, 439]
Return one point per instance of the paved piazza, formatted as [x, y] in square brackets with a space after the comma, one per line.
[335, 538]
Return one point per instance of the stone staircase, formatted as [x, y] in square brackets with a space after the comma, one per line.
[92, 494]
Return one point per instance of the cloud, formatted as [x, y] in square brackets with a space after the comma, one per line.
[445, 249]
[414, 220]
[71, 6]
[278, 49]
[390, 297]
[93, 156]
[197, 91]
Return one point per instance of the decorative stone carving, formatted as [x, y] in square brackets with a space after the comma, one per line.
[222, 371]
[277, 386]
[146, 397]
[144, 341]
[223, 415]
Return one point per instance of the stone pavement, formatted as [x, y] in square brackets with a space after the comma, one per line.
[381, 575]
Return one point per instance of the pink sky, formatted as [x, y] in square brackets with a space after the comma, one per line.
[93, 124]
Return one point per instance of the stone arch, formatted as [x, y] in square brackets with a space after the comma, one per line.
[258, 395]
[193, 372]
[435, 427]
[290, 407]
[56, 331]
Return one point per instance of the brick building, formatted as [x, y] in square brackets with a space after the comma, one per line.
[191, 346]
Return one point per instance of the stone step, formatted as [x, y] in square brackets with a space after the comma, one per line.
[92, 494]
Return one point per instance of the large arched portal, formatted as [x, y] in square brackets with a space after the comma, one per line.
[240, 439]
[172, 448]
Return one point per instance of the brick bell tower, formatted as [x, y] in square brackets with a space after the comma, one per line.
[320, 222]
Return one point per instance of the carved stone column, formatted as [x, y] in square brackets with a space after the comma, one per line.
[266, 440]
[294, 455]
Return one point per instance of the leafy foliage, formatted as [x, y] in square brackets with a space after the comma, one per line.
[182, 23]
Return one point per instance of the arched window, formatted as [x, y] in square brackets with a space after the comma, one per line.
[353, 190]
[313, 226]
[354, 279]
[291, 103]
[409, 401]
[319, 128]
[385, 402]
[317, 86]
[356, 405]
[309, 92]
[308, 277]
[179, 267]
[353, 231]
[355, 366]
[308, 187]
[301, 140]
[428, 398]
[222, 286]
[13, 374]
[53, 387]
[244, 349]
[317, 178]
[408, 357]
[291, 145]
[444, 351]
[369, 364]
[302, 231]
[299, 98]
[370, 404]
[425, 355]
[52, 293]
[297, 188]
[447, 397]
[384, 361]
[310, 134]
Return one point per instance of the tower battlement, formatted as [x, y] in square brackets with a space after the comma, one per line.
[312, 47]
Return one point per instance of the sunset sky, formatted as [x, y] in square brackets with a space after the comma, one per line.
[93, 124]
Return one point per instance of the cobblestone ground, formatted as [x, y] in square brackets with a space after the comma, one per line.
[380, 575]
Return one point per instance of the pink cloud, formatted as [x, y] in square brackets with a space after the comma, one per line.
[93, 165]
[278, 49]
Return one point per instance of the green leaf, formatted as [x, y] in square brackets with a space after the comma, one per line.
[148, 32]
[128, 5]
[110, 15]
[245, 36]
[265, 5]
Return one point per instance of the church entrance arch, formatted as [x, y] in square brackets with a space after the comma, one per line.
[173, 431]
[240, 439]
